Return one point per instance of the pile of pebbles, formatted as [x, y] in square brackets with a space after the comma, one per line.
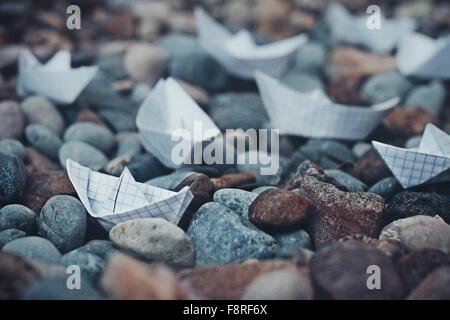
[308, 232]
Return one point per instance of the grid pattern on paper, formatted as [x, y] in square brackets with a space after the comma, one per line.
[435, 141]
[113, 200]
[305, 115]
[412, 167]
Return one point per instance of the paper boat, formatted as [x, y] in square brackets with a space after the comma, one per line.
[313, 114]
[345, 28]
[55, 80]
[428, 163]
[112, 200]
[423, 57]
[168, 116]
[239, 54]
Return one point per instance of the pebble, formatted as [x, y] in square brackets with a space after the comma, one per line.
[417, 265]
[169, 181]
[233, 180]
[34, 248]
[87, 115]
[419, 232]
[311, 57]
[392, 248]
[9, 235]
[220, 237]
[294, 239]
[233, 110]
[145, 62]
[237, 200]
[387, 188]
[39, 110]
[12, 147]
[370, 168]
[155, 240]
[43, 139]
[339, 271]
[83, 153]
[91, 266]
[16, 275]
[302, 81]
[339, 214]
[326, 153]
[346, 180]
[102, 248]
[428, 96]
[229, 282]
[435, 287]
[408, 122]
[260, 190]
[244, 165]
[128, 145]
[278, 209]
[111, 65]
[360, 149]
[119, 121]
[12, 121]
[16, 216]
[413, 142]
[279, 285]
[37, 162]
[63, 222]
[407, 204]
[93, 134]
[382, 87]
[128, 279]
[13, 176]
[145, 167]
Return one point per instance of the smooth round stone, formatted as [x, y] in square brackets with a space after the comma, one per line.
[337, 151]
[101, 248]
[16, 216]
[13, 176]
[145, 167]
[63, 221]
[220, 237]
[278, 209]
[237, 200]
[83, 153]
[155, 240]
[387, 188]
[326, 153]
[12, 120]
[119, 121]
[12, 147]
[430, 97]
[43, 139]
[34, 248]
[311, 57]
[39, 110]
[294, 239]
[169, 181]
[128, 145]
[279, 285]
[90, 265]
[384, 86]
[56, 289]
[10, 235]
[238, 110]
[360, 148]
[260, 190]
[145, 62]
[91, 133]
[112, 66]
[178, 44]
[346, 180]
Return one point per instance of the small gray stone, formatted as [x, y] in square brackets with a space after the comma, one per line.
[326, 153]
[360, 149]
[273, 169]
[12, 147]
[111, 65]
[413, 142]
[119, 121]
[155, 240]
[90, 265]
[219, 237]
[44, 139]
[387, 188]
[34, 248]
[382, 87]
[13, 176]
[430, 97]
[346, 180]
[170, 181]
[237, 200]
[311, 57]
[63, 221]
[128, 145]
[82, 153]
[93, 134]
[39, 110]
[10, 235]
[16, 216]
[102, 248]
[145, 167]
[294, 239]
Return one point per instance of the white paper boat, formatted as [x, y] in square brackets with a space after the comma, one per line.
[313, 114]
[423, 57]
[345, 28]
[239, 54]
[169, 115]
[55, 80]
[426, 164]
[112, 200]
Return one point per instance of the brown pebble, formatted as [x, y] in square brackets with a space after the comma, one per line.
[392, 248]
[89, 116]
[408, 122]
[12, 120]
[233, 180]
[37, 162]
[435, 287]
[370, 168]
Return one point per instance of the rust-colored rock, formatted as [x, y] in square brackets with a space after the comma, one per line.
[392, 248]
[128, 279]
[89, 116]
[370, 168]
[233, 180]
[278, 209]
[42, 185]
[229, 281]
[16, 275]
[435, 287]
[37, 162]
[338, 214]
[408, 122]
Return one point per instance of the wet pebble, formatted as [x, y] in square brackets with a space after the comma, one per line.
[43, 139]
[16, 216]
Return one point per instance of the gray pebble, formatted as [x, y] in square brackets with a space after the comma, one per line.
[360, 149]
[16, 216]
[382, 87]
[12, 147]
[237, 200]
[10, 235]
[34, 248]
[101, 248]
[430, 97]
[13, 177]
[387, 188]
[294, 239]
[346, 180]
[39, 110]
[93, 134]
[170, 181]
[82, 153]
[90, 265]
[43, 139]
[260, 190]
[128, 144]
[119, 121]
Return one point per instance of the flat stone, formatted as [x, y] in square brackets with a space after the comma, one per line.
[16, 216]
[91, 266]
[37, 162]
